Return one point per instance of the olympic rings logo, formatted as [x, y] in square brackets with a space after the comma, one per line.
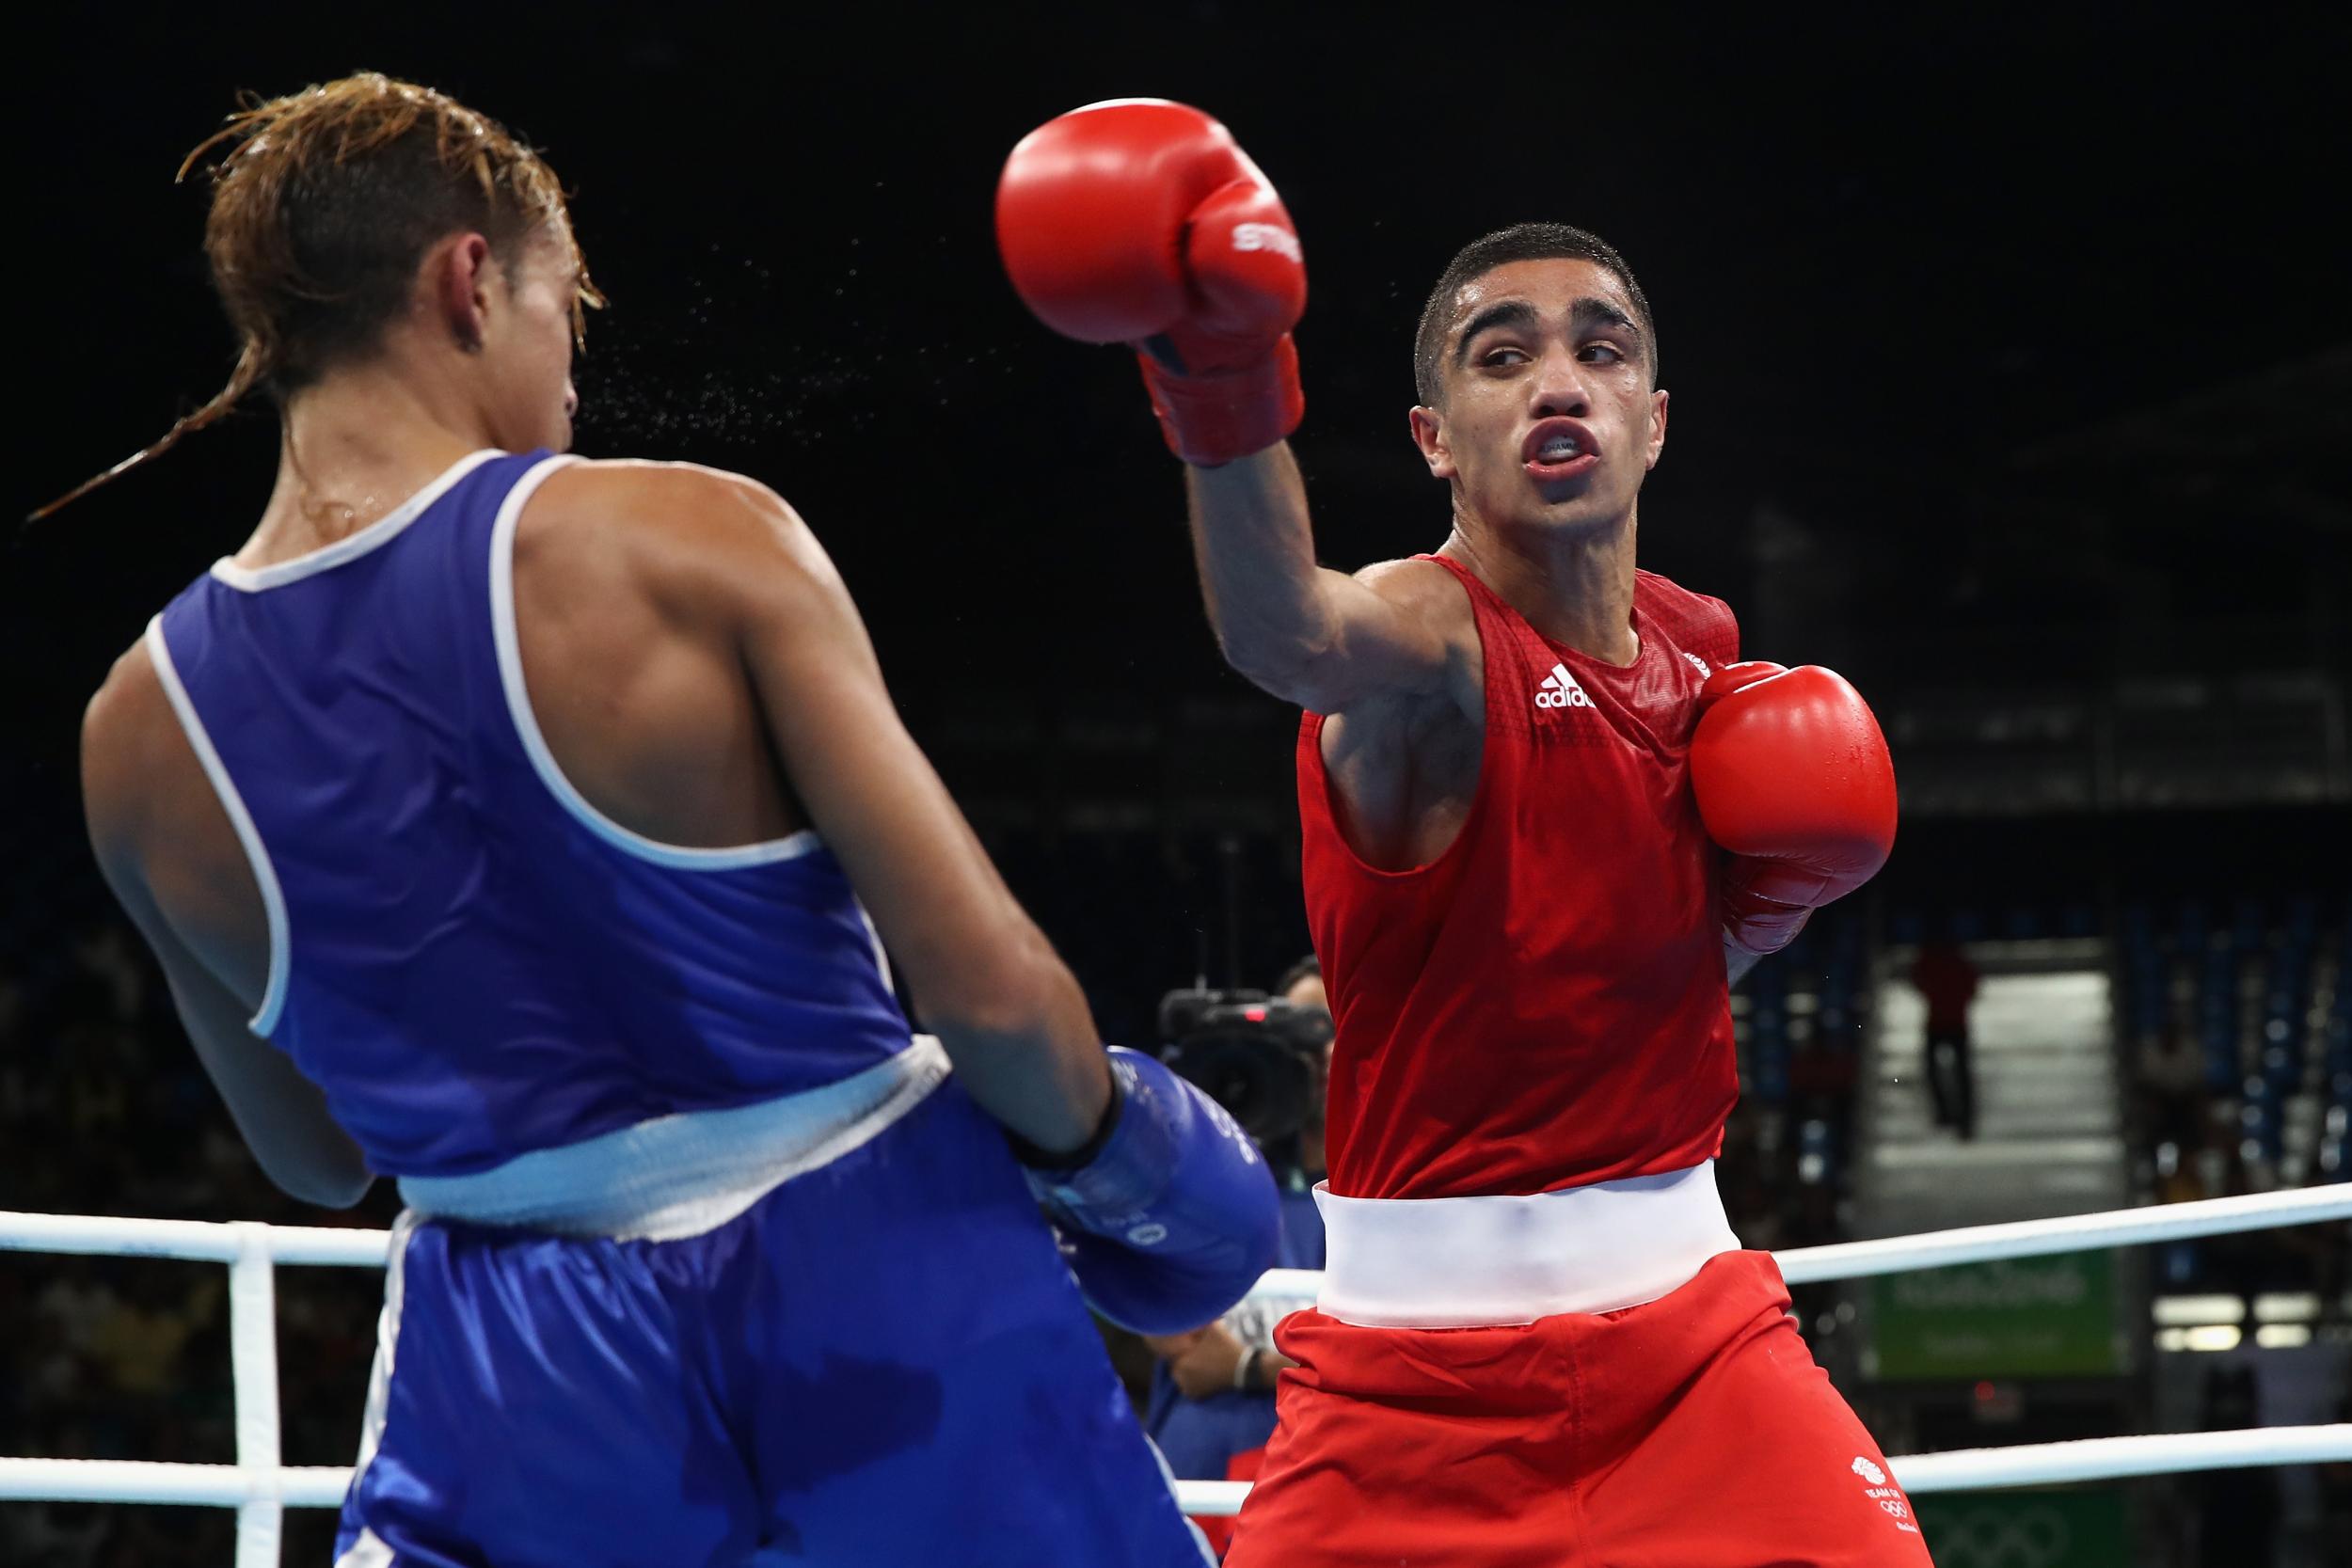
[2003, 1536]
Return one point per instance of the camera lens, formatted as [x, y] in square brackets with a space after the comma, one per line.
[1265, 1084]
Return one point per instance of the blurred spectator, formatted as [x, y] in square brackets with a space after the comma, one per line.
[1949, 981]
[1212, 1402]
[1302, 983]
[2173, 1076]
[138, 1341]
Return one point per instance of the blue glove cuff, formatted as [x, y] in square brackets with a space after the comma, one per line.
[1176, 1216]
[1153, 1113]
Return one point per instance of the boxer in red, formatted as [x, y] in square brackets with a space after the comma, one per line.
[1547, 817]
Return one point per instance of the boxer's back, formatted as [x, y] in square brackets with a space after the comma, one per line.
[466, 954]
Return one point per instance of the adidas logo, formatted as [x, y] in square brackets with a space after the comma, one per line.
[1560, 690]
[1700, 664]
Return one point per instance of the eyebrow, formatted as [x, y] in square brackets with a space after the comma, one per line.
[1584, 312]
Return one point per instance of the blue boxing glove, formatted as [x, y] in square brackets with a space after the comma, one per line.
[1172, 1215]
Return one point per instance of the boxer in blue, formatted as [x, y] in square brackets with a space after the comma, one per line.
[530, 831]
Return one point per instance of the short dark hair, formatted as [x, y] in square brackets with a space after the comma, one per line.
[1521, 241]
[1310, 965]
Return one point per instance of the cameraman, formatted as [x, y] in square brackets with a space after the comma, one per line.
[1211, 1404]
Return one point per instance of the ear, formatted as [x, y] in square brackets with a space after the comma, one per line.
[1657, 428]
[458, 280]
[1429, 435]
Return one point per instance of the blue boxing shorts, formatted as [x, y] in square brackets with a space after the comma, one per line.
[829, 1329]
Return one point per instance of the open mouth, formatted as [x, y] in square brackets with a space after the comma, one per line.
[1559, 448]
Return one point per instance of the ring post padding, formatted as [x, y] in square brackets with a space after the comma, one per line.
[253, 1366]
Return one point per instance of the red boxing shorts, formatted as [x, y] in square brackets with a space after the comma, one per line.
[1692, 1432]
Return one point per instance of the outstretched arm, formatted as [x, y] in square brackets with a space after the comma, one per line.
[1142, 222]
[1307, 634]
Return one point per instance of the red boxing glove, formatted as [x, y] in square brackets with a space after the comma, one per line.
[1793, 778]
[1139, 221]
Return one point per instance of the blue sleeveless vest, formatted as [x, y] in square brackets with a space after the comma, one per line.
[468, 958]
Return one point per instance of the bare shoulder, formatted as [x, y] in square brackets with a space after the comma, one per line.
[154, 818]
[132, 748]
[163, 838]
[1404, 765]
[1422, 586]
[679, 528]
[1433, 598]
[621, 496]
[623, 479]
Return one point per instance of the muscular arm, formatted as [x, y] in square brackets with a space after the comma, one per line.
[1305, 633]
[282, 1114]
[139, 782]
[980, 974]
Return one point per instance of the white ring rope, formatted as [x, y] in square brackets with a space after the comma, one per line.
[101, 1480]
[131, 1480]
[261, 1488]
[1977, 1243]
[204, 1242]
[197, 1240]
[2026, 1464]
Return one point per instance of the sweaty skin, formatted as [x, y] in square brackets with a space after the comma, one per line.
[694, 662]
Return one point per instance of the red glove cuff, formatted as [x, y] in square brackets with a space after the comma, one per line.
[1737, 677]
[1753, 919]
[1213, 419]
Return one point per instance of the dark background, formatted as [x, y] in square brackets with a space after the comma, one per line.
[2008, 348]
[2021, 331]
[2010, 354]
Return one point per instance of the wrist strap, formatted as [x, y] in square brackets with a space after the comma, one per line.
[1243, 1368]
[1038, 1160]
[1212, 419]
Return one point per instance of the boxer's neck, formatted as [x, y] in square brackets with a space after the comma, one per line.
[356, 445]
[1575, 586]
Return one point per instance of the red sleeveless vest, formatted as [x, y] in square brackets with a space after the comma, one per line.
[1544, 1004]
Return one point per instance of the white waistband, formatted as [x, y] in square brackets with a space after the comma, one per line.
[682, 1175]
[1470, 1262]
